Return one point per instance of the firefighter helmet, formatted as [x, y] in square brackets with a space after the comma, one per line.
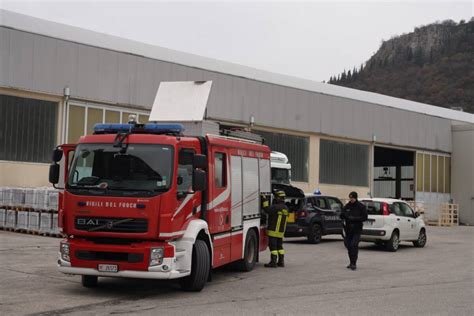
[280, 194]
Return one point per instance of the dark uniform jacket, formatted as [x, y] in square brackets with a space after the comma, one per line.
[354, 214]
[277, 216]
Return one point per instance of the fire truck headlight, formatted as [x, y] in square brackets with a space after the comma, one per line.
[64, 249]
[156, 256]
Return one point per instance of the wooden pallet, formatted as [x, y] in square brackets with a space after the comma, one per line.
[449, 215]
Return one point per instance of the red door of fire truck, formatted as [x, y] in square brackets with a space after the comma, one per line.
[65, 163]
[219, 220]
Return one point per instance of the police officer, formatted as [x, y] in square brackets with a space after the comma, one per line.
[353, 214]
[277, 215]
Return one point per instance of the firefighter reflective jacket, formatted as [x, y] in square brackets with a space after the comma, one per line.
[277, 216]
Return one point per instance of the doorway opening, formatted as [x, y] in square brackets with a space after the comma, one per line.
[394, 173]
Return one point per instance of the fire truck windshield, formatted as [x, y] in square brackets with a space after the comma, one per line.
[140, 170]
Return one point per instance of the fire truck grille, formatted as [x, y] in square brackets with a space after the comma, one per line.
[109, 256]
[116, 225]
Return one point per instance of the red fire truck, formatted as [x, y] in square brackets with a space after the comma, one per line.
[144, 201]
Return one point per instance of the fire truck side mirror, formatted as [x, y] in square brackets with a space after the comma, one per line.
[57, 155]
[199, 180]
[200, 162]
[54, 173]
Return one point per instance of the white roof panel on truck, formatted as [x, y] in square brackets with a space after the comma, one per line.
[183, 101]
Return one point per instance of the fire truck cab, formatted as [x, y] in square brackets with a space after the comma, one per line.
[144, 201]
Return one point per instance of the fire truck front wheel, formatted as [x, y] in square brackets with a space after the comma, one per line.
[89, 281]
[201, 264]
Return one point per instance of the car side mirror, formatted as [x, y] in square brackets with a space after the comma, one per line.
[200, 162]
[417, 214]
[54, 173]
[199, 180]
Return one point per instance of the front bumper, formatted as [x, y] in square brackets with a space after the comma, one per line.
[132, 260]
[157, 272]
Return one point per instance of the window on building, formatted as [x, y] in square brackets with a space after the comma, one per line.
[447, 172]
[82, 118]
[296, 148]
[433, 173]
[143, 119]
[441, 174]
[419, 172]
[126, 115]
[28, 129]
[94, 116]
[343, 163]
[112, 116]
[427, 173]
[219, 170]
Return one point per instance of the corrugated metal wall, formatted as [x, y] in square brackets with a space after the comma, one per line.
[296, 148]
[39, 63]
[343, 163]
[28, 129]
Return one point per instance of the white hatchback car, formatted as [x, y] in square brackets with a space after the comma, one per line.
[392, 221]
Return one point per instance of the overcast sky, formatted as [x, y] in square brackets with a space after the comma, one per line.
[311, 39]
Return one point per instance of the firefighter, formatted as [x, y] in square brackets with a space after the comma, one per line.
[277, 216]
[353, 215]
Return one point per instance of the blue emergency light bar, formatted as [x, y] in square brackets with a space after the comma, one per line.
[150, 128]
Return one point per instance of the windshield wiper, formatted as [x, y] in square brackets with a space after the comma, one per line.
[88, 186]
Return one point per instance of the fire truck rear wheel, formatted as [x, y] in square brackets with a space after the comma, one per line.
[201, 264]
[250, 253]
[89, 281]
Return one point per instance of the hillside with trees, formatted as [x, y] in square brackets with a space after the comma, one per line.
[434, 65]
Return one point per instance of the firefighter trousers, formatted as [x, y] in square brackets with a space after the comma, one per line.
[276, 246]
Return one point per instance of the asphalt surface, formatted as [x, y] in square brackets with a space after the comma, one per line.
[435, 280]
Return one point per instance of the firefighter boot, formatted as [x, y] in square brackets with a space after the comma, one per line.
[281, 261]
[272, 263]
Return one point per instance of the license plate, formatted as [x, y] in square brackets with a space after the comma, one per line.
[368, 223]
[291, 218]
[108, 268]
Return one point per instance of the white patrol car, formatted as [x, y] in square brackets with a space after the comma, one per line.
[391, 221]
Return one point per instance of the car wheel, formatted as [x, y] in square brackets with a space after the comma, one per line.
[250, 253]
[421, 241]
[89, 281]
[393, 243]
[201, 264]
[315, 234]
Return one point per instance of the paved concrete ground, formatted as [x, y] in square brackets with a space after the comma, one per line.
[437, 279]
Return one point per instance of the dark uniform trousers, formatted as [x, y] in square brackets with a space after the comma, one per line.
[352, 245]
